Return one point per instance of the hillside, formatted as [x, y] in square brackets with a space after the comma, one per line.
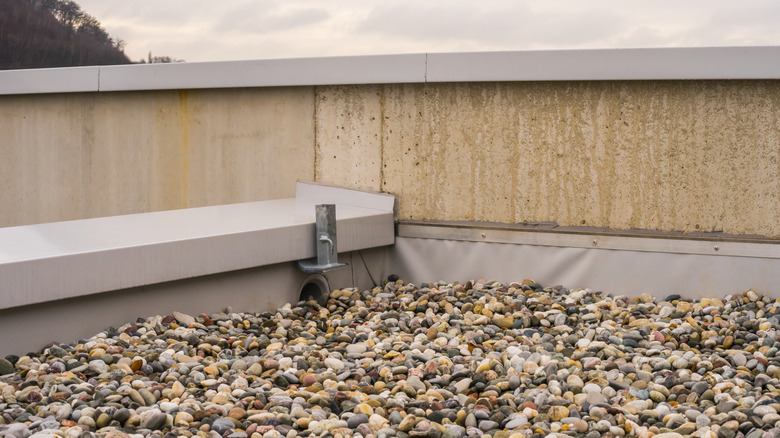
[53, 33]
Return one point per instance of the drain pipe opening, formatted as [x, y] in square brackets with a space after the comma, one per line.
[315, 287]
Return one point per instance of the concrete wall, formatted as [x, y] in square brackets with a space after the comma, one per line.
[73, 156]
[665, 155]
[661, 155]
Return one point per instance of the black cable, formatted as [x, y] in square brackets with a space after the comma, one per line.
[352, 268]
[369, 272]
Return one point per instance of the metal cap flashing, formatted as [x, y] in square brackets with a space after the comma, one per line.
[50, 80]
[683, 63]
[607, 64]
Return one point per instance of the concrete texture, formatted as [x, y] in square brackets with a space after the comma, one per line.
[74, 156]
[348, 136]
[662, 155]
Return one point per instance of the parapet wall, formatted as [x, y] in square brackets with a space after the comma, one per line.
[661, 151]
[661, 155]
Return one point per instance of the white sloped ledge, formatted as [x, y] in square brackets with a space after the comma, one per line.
[54, 261]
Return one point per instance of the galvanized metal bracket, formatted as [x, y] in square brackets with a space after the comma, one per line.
[325, 240]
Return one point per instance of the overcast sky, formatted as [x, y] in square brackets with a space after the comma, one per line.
[210, 30]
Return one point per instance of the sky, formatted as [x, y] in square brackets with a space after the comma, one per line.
[209, 30]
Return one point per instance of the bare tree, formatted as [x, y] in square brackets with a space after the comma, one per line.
[53, 33]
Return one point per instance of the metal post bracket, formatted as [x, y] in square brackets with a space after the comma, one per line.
[325, 241]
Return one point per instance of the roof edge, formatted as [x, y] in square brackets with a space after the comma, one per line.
[676, 63]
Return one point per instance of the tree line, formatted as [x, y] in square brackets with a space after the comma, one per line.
[54, 33]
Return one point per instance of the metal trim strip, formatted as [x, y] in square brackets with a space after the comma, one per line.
[604, 241]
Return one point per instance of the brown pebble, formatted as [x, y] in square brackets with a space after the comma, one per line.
[237, 413]
[206, 320]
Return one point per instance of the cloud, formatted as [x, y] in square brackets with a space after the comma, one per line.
[266, 17]
[753, 23]
[505, 25]
[646, 36]
[202, 30]
[171, 13]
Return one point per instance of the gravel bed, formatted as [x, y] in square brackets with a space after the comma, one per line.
[434, 360]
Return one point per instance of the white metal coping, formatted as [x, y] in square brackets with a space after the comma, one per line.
[52, 261]
[542, 65]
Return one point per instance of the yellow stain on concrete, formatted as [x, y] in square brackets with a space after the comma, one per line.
[75, 156]
[184, 145]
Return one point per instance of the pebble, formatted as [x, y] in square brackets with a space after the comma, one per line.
[510, 360]
[152, 419]
[356, 420]
[97, 366]
[6, 367]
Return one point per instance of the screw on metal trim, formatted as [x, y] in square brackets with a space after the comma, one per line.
[483, 235]
[595, 242]
[717, 248]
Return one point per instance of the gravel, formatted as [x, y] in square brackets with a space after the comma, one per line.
[435, 360]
